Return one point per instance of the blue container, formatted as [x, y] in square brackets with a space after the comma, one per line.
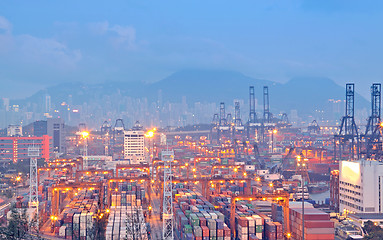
[219, 224]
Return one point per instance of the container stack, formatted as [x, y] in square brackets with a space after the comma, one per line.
[77, 218]
[273, 231]
[128, 195]
[277, 212]
[317, 224]
[250, 225]
[123, 222]
[195, 218]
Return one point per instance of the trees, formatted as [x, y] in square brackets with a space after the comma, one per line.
[17, 226]
[374, 231]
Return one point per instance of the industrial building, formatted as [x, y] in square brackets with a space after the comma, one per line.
[360, 186]
[16, 148]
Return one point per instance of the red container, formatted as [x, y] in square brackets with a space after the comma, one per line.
[319, 224]
[220, 233]
[242, 221]
[205, 231]
[227, 231]
[202, 221]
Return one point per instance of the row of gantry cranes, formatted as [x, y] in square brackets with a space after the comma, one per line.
[153, 176]
[226, 124]
[351, 142]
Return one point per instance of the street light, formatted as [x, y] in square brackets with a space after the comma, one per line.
[85, 136]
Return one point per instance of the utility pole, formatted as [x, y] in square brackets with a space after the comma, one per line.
[167, 209]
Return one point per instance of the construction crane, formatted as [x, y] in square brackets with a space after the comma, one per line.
[167, 204]
[280, 197]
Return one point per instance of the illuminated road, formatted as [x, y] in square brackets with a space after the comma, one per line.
[155, 222]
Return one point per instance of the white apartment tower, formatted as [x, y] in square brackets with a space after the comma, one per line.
[134, 146]
[361, 186]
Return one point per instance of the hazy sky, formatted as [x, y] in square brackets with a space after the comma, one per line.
[47, 42]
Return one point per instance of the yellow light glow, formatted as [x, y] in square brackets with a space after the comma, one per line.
[271, 184]
[85, 134]
[275, 131]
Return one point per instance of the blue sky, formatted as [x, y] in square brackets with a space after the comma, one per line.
[47, 42]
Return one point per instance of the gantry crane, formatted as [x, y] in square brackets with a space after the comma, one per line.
[70, 188]
[236, 168]
[280, 197]
[145, 179]
[143, 167]
[48, 169]
[109, 173]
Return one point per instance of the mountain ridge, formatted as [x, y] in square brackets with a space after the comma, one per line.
[302, 93]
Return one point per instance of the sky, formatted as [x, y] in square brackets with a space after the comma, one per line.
[43, 43]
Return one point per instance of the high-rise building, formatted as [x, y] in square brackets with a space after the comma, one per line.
[40, 128]
[56, 129]
[361, 186]
[14, 131]
[134, 145]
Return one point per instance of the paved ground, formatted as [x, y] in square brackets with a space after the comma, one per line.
[155, 222]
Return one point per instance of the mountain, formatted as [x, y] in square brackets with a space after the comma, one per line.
[303, 94]
[307, 94]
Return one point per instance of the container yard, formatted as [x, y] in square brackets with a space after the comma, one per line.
[223, 186]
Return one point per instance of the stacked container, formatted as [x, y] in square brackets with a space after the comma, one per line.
[121, 221]
[317, 224]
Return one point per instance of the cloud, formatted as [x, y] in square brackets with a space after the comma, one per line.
[47, 51]
[35, 51]
[5, 25]
[120, 36]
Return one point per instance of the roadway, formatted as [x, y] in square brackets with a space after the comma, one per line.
[155, 222]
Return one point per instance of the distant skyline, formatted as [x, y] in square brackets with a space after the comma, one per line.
[43, 43]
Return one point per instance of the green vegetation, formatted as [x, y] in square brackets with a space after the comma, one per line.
[17, 227]
[374, 231]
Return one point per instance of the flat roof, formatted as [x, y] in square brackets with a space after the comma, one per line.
[367, 215]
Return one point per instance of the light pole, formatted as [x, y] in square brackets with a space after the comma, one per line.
[150, 135]
[275, 131]
[85, 136]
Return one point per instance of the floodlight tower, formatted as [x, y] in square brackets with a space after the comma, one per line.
[167, 209]
[33, 153]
